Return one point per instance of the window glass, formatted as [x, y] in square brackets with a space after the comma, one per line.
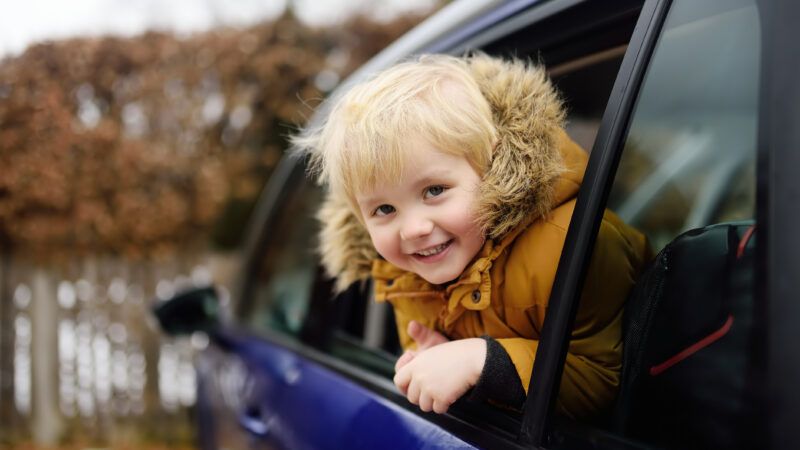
[291, 296]
[585, 85]
[689, 158]
[282, 288]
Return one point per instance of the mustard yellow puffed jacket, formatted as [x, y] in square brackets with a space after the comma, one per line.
[525, 204]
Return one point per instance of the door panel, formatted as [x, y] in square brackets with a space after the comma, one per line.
[223, 384]
[290, 402]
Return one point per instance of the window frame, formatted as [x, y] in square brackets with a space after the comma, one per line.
[778, 189]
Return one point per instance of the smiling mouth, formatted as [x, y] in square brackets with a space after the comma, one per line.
[434, 250]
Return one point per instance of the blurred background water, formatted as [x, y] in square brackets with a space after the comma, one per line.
[135, 137]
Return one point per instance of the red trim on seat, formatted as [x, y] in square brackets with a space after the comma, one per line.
[745, 239]
[692, 349]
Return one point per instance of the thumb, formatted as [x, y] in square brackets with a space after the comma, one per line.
[424, 336]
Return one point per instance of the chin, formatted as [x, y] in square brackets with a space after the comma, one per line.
[440, 278]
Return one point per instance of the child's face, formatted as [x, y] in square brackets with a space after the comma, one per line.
[424, 223]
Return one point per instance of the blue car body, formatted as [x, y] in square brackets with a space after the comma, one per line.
[294, 403]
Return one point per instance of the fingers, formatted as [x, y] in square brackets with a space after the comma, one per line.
[415, 330]
[401, 380]
[424, 336]
[413, 392]
[406, 358]
[425, 401]
[441, 406]
[419, 393]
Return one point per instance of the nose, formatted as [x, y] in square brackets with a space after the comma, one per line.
[415, 227]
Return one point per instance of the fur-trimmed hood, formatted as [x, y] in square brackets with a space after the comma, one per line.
[534, 167]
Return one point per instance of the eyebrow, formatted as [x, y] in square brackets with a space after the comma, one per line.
[368, 202]
[432, 177]
[427, 178]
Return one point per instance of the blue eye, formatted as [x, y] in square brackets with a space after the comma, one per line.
[383, 210]
[434, 191]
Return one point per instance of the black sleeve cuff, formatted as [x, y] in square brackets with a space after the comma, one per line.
[499, 381]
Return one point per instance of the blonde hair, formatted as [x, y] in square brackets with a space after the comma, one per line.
[364, 138]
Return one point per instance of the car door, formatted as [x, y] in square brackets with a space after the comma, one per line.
[315, 371]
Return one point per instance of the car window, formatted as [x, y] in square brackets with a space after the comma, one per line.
[287, 268]
[355, 328]
[688, 159]
[584, 85]
[290, 294]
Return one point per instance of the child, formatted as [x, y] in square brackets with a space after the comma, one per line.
[452, 183]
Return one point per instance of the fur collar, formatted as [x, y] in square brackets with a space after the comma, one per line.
[527, 177]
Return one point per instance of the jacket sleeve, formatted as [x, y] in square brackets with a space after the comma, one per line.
[499, 381]
[591, 371]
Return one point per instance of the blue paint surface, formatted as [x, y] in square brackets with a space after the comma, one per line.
[300, 404]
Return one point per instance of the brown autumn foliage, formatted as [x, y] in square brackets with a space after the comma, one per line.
[135, 146]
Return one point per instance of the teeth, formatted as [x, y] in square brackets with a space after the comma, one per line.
[434, 250]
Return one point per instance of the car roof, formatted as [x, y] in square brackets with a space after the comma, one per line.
[454, 16]
[459, 20]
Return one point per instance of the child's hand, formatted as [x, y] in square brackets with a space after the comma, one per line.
[425, 339]
[436, 378]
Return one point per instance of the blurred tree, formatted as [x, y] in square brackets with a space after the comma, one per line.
[135, 146]
[147, 146]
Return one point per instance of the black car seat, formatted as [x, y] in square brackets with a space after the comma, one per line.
[691, 360]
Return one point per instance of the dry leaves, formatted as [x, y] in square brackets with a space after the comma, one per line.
[134, 146]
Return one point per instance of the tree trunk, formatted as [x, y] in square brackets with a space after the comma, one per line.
[46, 419]
[6, 344]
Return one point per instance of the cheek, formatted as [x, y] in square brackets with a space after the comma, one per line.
[466, 228]
[471, 233]
[383, 243]
[461, 219]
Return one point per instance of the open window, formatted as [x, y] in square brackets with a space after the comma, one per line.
[581, 45]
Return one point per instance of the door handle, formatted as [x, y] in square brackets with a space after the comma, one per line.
[254, 422]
